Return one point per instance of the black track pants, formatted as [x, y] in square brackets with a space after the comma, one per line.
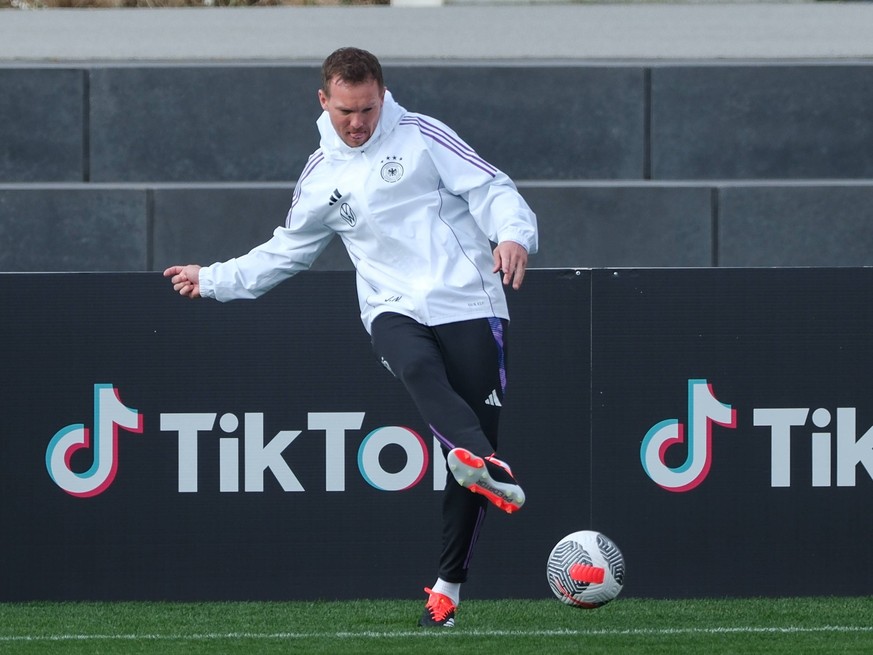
[456, 375]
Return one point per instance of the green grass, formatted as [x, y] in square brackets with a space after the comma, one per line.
[542, 627]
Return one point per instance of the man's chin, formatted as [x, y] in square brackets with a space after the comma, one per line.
[354, 142]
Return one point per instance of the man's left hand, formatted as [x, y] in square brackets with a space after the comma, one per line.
[510, 258]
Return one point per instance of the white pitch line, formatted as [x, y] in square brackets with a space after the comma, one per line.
[372, 634]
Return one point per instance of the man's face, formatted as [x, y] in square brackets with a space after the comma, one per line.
[354, 109]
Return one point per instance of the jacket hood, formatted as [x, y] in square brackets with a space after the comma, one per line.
[334, 147]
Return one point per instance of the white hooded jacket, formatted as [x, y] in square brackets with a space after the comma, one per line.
[416, 209]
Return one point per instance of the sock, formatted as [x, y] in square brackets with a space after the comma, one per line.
[450, 589]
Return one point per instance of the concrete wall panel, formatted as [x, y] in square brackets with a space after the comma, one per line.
[537, 122]
[751, 122]
[206, 123]
[796, 226]
[73, 230]
[617, 225]
[204, 225]
[41, 125]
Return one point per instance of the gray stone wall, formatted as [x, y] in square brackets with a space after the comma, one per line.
[134, 167]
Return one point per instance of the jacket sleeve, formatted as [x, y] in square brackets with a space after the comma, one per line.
[292, 249]
[494, 201]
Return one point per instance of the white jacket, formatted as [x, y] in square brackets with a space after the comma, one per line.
[415, 207]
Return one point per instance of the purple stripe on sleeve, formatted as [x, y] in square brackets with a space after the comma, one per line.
[457, 142]
[451, 143]
[314, 160]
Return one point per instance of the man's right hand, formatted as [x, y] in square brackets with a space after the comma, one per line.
[185, 279]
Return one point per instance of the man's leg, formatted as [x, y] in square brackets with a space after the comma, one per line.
[455, 374]
[475, 358]
[420, 360]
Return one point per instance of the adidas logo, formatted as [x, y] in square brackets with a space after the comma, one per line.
[334, 197]
[492, 399]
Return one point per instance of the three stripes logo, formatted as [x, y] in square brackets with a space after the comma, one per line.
[334, 197]
[493, 399]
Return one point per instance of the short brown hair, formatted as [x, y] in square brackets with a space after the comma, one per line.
[352, 66]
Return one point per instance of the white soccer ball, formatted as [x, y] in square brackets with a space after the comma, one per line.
[585, 569]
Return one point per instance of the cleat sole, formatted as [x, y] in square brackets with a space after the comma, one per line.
[470, 472]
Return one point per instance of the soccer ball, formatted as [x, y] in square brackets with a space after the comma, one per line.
[585, 569]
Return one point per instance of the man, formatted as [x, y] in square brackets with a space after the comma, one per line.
[417, 209]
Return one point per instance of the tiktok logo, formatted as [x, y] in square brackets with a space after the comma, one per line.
[109, 415]
[703, 410]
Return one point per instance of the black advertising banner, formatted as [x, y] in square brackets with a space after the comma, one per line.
[717, 424]
[731, 422]
[159, 448]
